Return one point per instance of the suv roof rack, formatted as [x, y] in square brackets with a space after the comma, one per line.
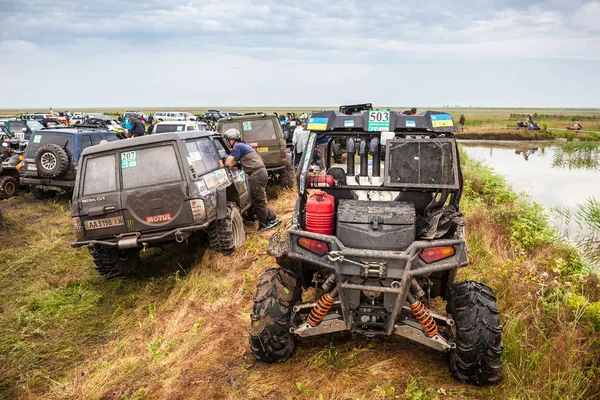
[376, 121]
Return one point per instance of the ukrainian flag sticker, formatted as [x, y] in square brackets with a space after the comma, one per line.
[317, 124]
[441, 120]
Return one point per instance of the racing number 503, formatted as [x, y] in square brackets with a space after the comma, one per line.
[379, 116]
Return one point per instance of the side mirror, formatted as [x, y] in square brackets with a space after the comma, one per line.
[24, 130]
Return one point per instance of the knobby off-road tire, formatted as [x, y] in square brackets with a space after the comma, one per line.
[286, 179]
[276, 293]
[227, 234]
[9, 187]
[111, 262]
[51, 161]
[477, 358]
[41, 194]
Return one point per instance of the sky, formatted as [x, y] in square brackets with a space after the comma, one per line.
[244, 53]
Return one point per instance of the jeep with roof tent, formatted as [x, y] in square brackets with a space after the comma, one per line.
[377, 241]
[157, 190]
[263, 132]
[52, 158]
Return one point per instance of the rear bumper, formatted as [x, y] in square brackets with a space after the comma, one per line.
[397, 268]
[133, 241]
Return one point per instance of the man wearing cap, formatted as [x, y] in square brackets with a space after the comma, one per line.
[254, 167]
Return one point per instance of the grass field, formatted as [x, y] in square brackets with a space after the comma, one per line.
[178, 329]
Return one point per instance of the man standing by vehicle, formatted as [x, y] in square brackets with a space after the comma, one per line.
[137, 128]
[299, 139]
[461, 122]
[254, 166]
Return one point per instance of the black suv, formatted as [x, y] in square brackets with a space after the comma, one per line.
[52, 156]
[154, 191]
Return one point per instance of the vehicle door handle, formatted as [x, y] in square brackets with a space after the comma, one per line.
[112, 207]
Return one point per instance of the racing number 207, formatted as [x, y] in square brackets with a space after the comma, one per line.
[379, 116]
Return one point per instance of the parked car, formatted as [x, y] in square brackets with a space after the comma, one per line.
[179, 126]
[161, 116]
[52, 123]
[215, 115]
[105, 122]
[263, 132]
[23, 128]
[52, 157]
[155, 191]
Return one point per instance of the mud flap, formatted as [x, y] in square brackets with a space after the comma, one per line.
[221, 202]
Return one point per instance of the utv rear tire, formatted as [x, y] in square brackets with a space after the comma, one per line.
[9, 187]
[41, 194]
[51, 161]
[477, 358]
[276, 293]
[228, 234]
[111, 262]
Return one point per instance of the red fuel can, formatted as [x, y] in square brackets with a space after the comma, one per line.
[320, 213]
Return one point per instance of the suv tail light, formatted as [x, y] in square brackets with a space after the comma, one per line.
[314, 246]
[433, 254]
[283, 155]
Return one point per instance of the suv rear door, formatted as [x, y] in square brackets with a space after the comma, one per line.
[265, 135]
[99, 200]
[153, 190]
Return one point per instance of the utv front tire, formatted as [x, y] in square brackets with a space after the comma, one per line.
[276, 293]
[477, 358]
[111, 262]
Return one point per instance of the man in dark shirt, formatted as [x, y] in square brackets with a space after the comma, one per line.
[137, 128]
[254, 167]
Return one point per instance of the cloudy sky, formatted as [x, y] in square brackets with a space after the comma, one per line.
[117, 53]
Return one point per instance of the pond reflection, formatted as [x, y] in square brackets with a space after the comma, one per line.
[578, 155]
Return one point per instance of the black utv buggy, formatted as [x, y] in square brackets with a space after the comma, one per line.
[378, 241]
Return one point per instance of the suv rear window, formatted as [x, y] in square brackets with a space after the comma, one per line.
[262, 129]
[147, 167]
[38, 140]
[169, 128]
[100, 175]
[202, 155]
[111, 137]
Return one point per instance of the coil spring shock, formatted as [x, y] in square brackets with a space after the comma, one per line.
[320, 310]
[424, 318]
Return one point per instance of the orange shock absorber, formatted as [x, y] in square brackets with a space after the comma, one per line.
[424, 318]
[320, 310]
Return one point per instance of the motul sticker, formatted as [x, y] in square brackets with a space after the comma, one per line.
[159, 219]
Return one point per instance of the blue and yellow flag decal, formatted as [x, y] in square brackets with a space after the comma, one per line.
[441, 120]
[317, 124]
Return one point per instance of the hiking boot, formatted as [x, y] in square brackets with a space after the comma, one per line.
[272, 223]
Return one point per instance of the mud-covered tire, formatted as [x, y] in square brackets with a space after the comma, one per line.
[9, 187]
[111, 262]
[51, 161]
[41, 194]
[286, 179]
[477, 358]
[276, 293]
[227, 234]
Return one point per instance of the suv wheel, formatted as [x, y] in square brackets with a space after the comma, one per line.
[228, 234]
[8, 187]
[276, 293]
[51, 160]
[41, 194]
[477, 358]
[111, 262]
[287, 174]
